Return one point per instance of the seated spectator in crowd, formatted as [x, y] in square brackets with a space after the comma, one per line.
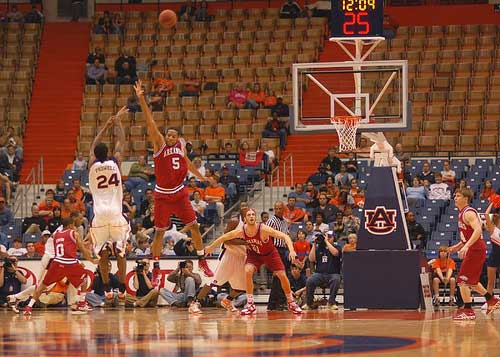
[343, 177]
[270, 101]
[292, 213]
[448, 174]
[416, 193]
[199, 165]
[426, 173]
[164, 85]
[6, 215]
[319, 223]
[416, 232]
[35, 16]
[143, 245]
[191, 86]
[351, 164]
[230, 184]
[75, 203]
[281, 109]
[238, 97]
[146, 295]
[80, 164]
[11, 279]
[96, 74]
[269, 156]
[216, 194]
[338, 227]
[363, 149]
[297, 283]
[487, 190]
[326, 257]
[117, 24]
[332, 161]
[439, 190]
[186, 283]
[10, 138]
[275, 129]
[55, 221]
[40, 245]
[352, 242]
[312, 193]
[6, 187]
[199, 206]
[132, 63]
[329, 211]
[264, 216]
[442, 269]
[228, 148]
[106, 16]
[78, 190]
[187, 11]
[156, 100]
[129, 206]
[147, 201]
[97, 297]
[342, 201]
[60, 191]
[351, 222]
[46, 207]
[14, 15]
[10, 164]
[201, 13]
[401, 155]
[302, 247]
[390, 27]
[139, 175]
[31, 252]
[97, 54]
[133, 105]
[191, 154]
[185, 248]
[35, 223]
[168, 248]
[17, 249]
[302, 198]
[331, 189]
[290, 10]
[66, 208]
[256, 97]
[192, 187]
[126, 74]
[310, 232]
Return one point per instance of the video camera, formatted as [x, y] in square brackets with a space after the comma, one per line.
[319, 239]
[8, 262]
[139, 268]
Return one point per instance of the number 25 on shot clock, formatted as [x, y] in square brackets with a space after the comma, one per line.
[357, 18]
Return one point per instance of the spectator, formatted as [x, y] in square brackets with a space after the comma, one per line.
[163, 85]
[332, 161]
[10, 279]
[201, 13]
[269, 156]
[275, 128]
[10, 138]
[338, 227]
[75, 203]
[168, 248]
[332, 190]
[327, 270]
[97, 298]
[343, 177]
[10, 164]
[66, 208]
[416, 194]
[448, 174]
[6, 216]
[191, 154]
[139, 175]
[186, 283]
[14, 15]
[390, 27]
[256, 97]
[146, 295]
[129, 206]
[5, 187]
[312, 193]
[31, 252]
[416, 231]
[228, 148]
[351, 164]
[363, 149]
[270, 101]
[117, 24]
[126, 74]
[302, 247]
[34, 16]
[281, 109]
[143, 246]
[426, 173]
[77, 189]
[35, 223]
[319, 224]
[125, 58]
[148, 221]
[96, 74]
[60, 192]
[17, 250]
[401, 155]
[350, 221]
[297, 283]
[187, 11]
[97, 54]
[264, 217]
[238, 97]
[192, 187]
[156, 99]
[302, 198]
[55, 221]
[329, 211]
[46, 207]
[216, 194]
[443, 268]
[292, 213]
[185, 248]
[40, 245]
[199, 205]
[191, 86]
[352, 242]
[147, 201]
[198, 164]
[310, 232]
[230, 184]
[487, 190]
[439, 190]
[290, 10]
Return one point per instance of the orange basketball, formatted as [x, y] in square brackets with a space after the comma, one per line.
[167, 19]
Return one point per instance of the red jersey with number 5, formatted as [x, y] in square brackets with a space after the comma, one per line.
[65, 246]
[170, 168]
[466, 230]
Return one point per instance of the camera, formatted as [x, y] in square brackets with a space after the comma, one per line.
[8, 262]
[140, 266]
[182, 265]
[319, 239]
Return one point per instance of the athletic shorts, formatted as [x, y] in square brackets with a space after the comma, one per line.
[272, 260]
[494, 258]
[471, 268]
[74, 272]
[177, 203]
[111, 232]
[231, 268]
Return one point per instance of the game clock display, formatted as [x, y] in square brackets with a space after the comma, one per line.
[357, 18]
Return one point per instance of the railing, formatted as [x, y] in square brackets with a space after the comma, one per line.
[30, 190]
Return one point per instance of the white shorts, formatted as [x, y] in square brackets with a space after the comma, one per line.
[231, 269]
[111, 232]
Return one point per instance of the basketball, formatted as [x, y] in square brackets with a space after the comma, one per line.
[167, 19]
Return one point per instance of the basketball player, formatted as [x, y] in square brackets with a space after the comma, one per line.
[472, 250]
[109, 228]
[65, 265]
[261, 250]
[231, 267]
[171, 197]
[493, 263]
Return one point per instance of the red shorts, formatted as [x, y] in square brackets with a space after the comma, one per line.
[471, 268]
[74, 272]
[177, 203]
[271, 260]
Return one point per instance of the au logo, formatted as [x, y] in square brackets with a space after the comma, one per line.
[380, 221]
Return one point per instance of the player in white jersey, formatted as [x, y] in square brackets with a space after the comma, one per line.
[493, 262]
[109, 228]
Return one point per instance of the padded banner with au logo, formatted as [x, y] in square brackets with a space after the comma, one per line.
[383, 225]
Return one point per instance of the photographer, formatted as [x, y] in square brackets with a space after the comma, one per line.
[185, 248]
[146, 295]
[97, 298]
[10, 279]
[186, 284]
[326, 257]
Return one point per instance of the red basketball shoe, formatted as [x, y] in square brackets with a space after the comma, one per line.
[203, 265]
[464, 315]
[250, 309]
[493, 303]
[294, 307]
[156, 275]
[228, 305]
[28, 310]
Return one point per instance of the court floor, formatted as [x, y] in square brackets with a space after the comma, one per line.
[172, 332]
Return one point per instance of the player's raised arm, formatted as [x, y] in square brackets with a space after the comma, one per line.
[236, 233]
[153, 132]
[490, 227]
[120, 134]
[280, 235]
[193, 169]
[98, 138]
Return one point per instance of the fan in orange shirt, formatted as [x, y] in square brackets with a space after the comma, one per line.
[443, 268]
[302, 248]
[215, 194]
[256, 97]
[294, 214]
[192, 187]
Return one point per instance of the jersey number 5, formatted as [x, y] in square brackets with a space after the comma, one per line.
[104, 182]
[175, 163]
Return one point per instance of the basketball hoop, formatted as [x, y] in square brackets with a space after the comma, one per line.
[346, 127]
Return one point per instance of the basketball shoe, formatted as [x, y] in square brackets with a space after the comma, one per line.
[250, 309]
[294, 307]
[464, 315]
[156, 275]
[203, 265]
[194, 308]
[12, 301]
[228, 305]
[493, 303]
[82, 307]
[28, 311]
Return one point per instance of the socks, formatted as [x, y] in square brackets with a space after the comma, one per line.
[250, 299]
[80, 296]
[468, 305]
[32, 302]
[289, 297]
[487, 296]
[156, 259]
[106, 287]
[230, 298]
[201, 253]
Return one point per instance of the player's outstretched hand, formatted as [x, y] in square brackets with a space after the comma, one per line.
[462, 252]
[292, 256]
[139, 92]
[209, 249]
[123, 110]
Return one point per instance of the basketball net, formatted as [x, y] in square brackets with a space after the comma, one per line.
[346, 127]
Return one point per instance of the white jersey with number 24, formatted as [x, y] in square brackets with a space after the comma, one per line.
[105, 183]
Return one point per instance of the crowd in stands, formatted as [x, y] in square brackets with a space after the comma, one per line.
[14, 15]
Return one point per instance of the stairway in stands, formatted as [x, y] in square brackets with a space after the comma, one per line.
[54, 117]
[309, 149]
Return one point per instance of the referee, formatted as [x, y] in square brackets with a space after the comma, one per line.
[278, 222]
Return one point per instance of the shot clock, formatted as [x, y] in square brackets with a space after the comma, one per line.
[357, 18]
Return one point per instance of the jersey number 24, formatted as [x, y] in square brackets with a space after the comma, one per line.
[105, 182]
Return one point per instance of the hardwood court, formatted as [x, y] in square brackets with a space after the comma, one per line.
[170, 332]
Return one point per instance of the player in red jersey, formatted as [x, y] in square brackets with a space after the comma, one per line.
[171, 197]
[472, 250]
[65, 265]
[261, 250]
